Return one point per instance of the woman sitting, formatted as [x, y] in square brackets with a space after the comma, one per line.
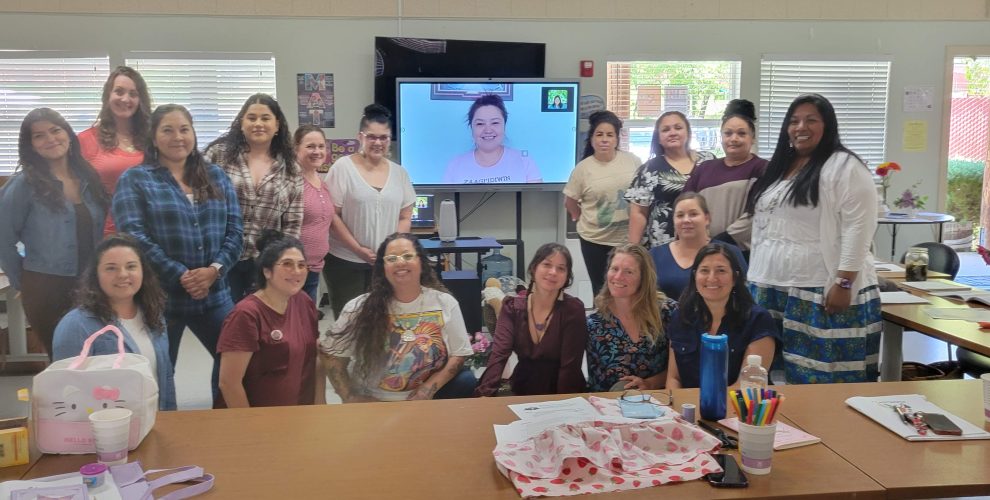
[716, 301]
[406, 335]
[673, 260]
[119, 288]
[545, 328]
[627, 347]
[267, 344]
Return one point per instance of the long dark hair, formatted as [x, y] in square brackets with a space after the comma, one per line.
[656, 149]
[543, 253]
[194, 173]
[693, 309]
[371, 324]
[804, 190]
[107, 125]
[37, 171]
[597, 118]
[150, 298]
[232, 143]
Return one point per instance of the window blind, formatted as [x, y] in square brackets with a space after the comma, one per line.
[857, 89]
[70, 85]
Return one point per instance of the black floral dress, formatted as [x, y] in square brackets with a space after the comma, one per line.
[656, 185]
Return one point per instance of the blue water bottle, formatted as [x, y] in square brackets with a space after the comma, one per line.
[714, 375]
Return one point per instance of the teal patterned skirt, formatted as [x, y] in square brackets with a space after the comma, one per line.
[820, 347]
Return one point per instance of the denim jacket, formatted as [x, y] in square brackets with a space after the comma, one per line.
[76, 326]
[49, 236]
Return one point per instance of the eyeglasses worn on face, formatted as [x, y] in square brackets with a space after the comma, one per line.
[377, 138]
[406, 257]
[289, 265]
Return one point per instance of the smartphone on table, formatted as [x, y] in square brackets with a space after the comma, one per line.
[730, 477]
[940, 424]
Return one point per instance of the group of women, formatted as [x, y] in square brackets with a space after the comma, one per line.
[225, 242]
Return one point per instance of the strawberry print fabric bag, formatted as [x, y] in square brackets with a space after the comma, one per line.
[599, 456]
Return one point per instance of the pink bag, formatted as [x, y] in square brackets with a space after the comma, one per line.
[70, 389]
[598, 456]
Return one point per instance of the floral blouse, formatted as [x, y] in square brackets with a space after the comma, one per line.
[656, 185]
[613, 355]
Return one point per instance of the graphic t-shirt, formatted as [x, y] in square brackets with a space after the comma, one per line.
[511, 167]
[600, 189]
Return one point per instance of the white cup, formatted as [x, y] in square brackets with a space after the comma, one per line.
[756, 447]
[986, 396]
[111, 431]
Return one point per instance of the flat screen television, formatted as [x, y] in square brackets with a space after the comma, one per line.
[533, 148]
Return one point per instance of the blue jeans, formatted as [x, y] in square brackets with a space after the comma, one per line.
[206, 327]
[461, 386]
[241, 278]
[312, 285]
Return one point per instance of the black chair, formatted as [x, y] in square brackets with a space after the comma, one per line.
[941, 258]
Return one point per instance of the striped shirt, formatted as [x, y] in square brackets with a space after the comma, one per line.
[317, 217]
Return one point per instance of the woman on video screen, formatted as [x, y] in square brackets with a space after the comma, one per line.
[490, 162]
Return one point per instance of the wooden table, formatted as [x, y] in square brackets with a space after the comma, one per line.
[417, 449]
[897, 317]
[906, 469]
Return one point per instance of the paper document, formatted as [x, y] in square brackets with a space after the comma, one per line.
[880, 266]
[959, 313]
[574, 408]
[785, 437]
[901, 298]
[934, 285]
[881, 410]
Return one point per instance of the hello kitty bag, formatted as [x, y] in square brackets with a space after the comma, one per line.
[70, 389]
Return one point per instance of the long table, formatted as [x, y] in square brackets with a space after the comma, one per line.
[416, 449]
[905, 469]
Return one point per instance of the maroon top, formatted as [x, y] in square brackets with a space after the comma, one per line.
[551, 367]
[282, 369]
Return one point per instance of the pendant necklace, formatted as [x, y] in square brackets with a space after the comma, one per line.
[409, 334]
[540, 326]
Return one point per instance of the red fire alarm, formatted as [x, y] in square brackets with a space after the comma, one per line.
[587, 69]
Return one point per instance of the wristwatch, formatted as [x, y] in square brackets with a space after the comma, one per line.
[219, 267]
[843, 283]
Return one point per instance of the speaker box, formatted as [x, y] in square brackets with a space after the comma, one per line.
[465, 286]
[447, 221]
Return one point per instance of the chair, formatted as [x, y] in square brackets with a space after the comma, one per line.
[941, 258]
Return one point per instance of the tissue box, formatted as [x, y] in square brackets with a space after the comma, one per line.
[13, 442]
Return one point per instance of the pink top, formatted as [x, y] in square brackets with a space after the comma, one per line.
[317, 216]
[109, 164]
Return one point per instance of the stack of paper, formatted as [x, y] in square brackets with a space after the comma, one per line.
[901, 298]
[881, 410]
[785, 436]
[934, 286]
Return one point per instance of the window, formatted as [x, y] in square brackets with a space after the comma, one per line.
[212, 86]
[70, 85]
[640, 91]
[857, 90]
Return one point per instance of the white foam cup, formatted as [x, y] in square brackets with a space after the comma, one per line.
[111, 430]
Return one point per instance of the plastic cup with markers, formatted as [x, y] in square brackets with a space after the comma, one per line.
[756, 409]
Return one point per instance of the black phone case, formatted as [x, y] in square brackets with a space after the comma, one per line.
[941, 425]
[728, 464]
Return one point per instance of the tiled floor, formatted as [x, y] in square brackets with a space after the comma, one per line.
[193, 369]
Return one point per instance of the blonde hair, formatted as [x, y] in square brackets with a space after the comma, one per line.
[646, 303]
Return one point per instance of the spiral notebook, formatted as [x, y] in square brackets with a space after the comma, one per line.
[785, 437]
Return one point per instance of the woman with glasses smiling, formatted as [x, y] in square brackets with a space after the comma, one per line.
[374, 198]
[406, 335]
[268, 343]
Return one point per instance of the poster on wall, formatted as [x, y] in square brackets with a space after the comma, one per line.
[315, 91]
[339, 148]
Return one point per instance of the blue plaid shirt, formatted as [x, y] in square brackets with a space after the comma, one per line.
[178, 235]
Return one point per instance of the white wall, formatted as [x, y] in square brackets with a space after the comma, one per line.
[344, 47]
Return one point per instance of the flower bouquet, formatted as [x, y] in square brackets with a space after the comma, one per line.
[481, 344]
[910, 202]
[885, 171]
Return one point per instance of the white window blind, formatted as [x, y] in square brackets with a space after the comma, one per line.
[213, 89]
[857, 89]
[70, 85]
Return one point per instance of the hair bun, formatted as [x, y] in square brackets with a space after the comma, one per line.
[267, 237]
[375, 110]
[741, 107]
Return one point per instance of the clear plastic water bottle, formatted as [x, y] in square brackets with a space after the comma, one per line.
[714, 375]
[753, 374]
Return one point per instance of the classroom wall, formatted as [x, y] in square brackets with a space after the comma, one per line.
[344, 46]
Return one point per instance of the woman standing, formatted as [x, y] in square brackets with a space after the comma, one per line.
[318, 210]
[268, 343]
[117, 141]
[184, 213]
[627, 346]
[119, 288]
[726, 181]
[406, 335]
[814, 215]
[55, 206]
[257, 155]
[594, 194]
[659, 181]
[544, 327]
[673, 260]
[716, 301]
[373, 198]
